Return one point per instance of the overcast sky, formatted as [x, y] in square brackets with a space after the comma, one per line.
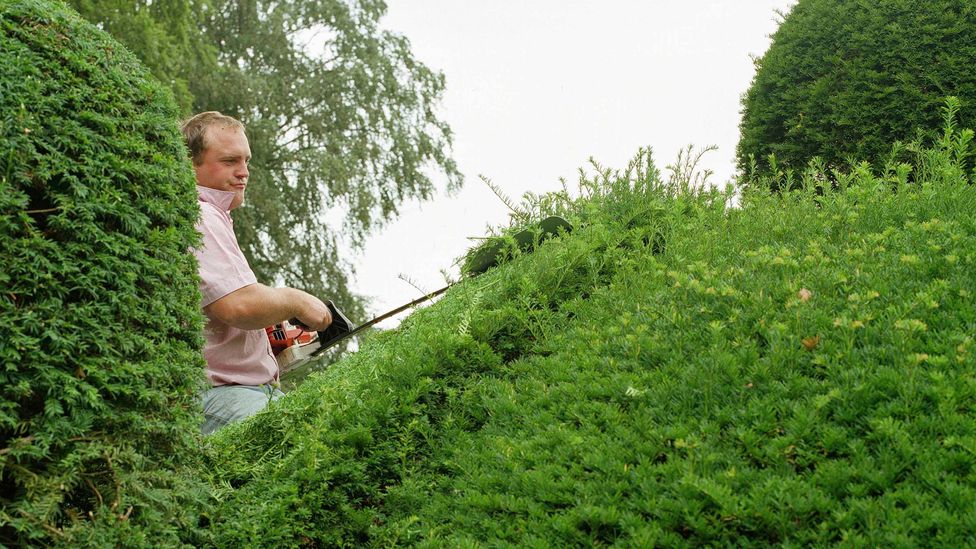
[537, 87]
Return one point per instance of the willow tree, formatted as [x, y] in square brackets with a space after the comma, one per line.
[342, 127]
[341, 117]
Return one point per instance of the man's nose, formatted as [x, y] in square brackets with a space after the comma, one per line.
[242, 172]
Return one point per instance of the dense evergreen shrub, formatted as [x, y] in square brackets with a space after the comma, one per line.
[100, 327]
[845, 79]
[797, 371]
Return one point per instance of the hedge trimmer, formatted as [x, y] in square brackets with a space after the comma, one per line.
[294, 345]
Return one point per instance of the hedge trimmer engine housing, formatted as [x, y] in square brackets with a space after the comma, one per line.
[284, 335]
[293, 344]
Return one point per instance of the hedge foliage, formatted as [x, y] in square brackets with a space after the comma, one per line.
[798, 370]
[100, 326]
[845, 79]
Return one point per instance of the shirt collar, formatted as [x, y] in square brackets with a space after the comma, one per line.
[221, 199]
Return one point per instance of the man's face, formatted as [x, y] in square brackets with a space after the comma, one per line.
[223, 164]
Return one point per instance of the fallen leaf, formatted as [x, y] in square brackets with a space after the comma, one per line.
[810, 343]
[804, 295]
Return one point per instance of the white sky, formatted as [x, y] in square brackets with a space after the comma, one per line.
[537, 87]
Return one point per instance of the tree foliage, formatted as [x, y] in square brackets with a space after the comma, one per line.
[165, 35]
[844, 79]
[100, 322]
[340, 115]
[341, 118]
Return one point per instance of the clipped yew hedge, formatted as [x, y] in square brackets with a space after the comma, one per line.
[845, 79]
[798, 371]
[100, 327]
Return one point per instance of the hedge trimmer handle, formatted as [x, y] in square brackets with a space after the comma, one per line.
[339, 327]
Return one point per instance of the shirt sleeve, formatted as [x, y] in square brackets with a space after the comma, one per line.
[223, 268]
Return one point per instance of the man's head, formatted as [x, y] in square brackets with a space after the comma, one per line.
[220, 152]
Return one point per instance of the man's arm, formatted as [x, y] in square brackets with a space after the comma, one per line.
[256, 306]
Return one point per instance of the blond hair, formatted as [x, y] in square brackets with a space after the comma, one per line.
[195, 131]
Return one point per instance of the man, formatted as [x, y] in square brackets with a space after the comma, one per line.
[241, 368]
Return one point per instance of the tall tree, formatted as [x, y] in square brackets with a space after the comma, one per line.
[340, 115]
[165, 35]
[342, 127]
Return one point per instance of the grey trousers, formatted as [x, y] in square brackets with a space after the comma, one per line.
[228, 404]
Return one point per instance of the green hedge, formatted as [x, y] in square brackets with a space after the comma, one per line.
[100, 327]
[674, 372]
[796, 371]
[844, 79]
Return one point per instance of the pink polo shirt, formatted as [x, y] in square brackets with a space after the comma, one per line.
[234, 356]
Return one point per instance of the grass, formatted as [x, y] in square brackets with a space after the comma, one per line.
[796, 370]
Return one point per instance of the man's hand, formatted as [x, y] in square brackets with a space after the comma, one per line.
[316, 316]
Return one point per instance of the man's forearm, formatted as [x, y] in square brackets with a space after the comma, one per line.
[256, 306]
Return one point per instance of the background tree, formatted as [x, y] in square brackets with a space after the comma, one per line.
[340, 115]
[165, 35]
[844, 79]
[342, 127]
